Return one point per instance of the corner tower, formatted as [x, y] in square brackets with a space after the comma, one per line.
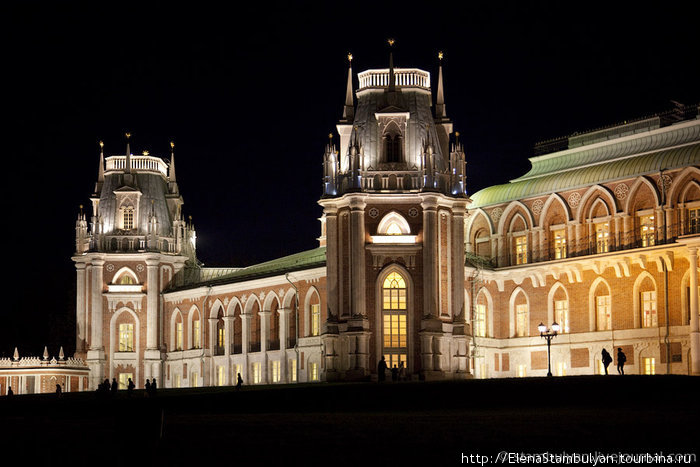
[125, 255]
[394, 203]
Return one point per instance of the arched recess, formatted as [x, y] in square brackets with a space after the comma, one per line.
[271, 304]
[645, 284]
[593, 193]
[177, 331]
[553, 202]
[195, 328]
[519, 311]
[640, 185]
[292, 317]
[484, 298]
[685, 297]
[474, 221]
[312, 313]
[125, 315]
[235, 309]
[125, 276]
[558, 307]
[599, 309]
[515, 207]
[395, 330]
[252, 308]
[681, 179]
[393, 223]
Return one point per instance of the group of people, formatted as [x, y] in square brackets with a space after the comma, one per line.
[621, 359]
[105, 387]
[398, 373]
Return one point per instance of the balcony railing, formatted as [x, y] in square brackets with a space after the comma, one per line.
[585, 246]
[138, 164]
[403, 77]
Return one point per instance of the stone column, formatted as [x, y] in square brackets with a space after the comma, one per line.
[571, 240]
[357, 256]
[152, 305]
[626, 230]
[80, 308]
[457, 253]
[228, 334]
[694, 319]
[331, 213]
[264, 337]
[96, 306]
[430, 256]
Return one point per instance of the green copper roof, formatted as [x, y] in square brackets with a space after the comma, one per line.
[299, 261]
[582, 167]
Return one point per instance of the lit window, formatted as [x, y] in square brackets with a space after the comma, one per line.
[220, 375]
[236, 371]
[561, 369]
[602, 235]
[275, 371]
[124, 380]
[221, 337]
[559, 237]
[600, 366]
[126, 280]
[393, 229]
[178, 381]
[292, 370]
[126, 337]
[561, 314]
[521, 320]
[313, 371]
[648, 306]
[394, 319]
[195, 334]
[128, 218]
[257, 376]
[522, 371]
[481, 372]
[646, 230]
[194, 380]
[480, 320]
[693, 221]
[603, 312]
[315, 319]
[178, 336]
[649, 366]
[521, 249]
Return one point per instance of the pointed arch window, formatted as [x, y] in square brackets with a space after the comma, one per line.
[394, 316]
[128, 218]
[126, 337]
[603, 318]
[648, 306]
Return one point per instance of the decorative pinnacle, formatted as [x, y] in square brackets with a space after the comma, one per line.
[440, 55]
[350, 57]
[172, 145]
[145, 153]
[391, 42]
[128, 135]
[102, 144]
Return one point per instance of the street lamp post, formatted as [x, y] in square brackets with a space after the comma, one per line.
[549, 334]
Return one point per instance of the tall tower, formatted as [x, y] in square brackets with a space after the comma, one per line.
[134, 244]
[394, 203]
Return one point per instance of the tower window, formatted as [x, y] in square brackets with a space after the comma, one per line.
[395, 346]
[392, 148]
[128, 218]
[126, 337]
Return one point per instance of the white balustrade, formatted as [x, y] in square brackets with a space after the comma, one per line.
[403, 77]
[138, 163]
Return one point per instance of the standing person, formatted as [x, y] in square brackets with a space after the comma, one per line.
[394, 373]
[154, 386]
[115, 386]
[130, 387]
[239, 382]
[402, 371]
[148, 387]
[9, 391]
[58, 390]
[606, 360]
[381, 370]
[621, 359]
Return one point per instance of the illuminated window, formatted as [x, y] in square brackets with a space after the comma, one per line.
[236, 370]
[693, 221]
[275, 371]
[124, 380]
[603, 312]
[522, 371]
[221, 337]
[178, 381]
[315, 319]
[646, 230]
[196, 343]
[257, 375]
[600, 367]
[648, 308]
[292, 370]
[178, 336]
[521, 320]
[649, 366]
[313, 371]
[128, 218]
[480, 320]
[126, 280]
[559, 241]
[602, 236]
[561, 369]
[395, 346]
[561, 314]
[521, 249]
[126, 337]
[220, 375]
[393, 229]
[194, 380]
[481, 372]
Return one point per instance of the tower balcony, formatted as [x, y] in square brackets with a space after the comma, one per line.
[403, 78]
[141, 163]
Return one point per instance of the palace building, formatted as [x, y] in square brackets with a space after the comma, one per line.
[599, 237]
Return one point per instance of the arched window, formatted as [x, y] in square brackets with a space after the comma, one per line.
[126, 279]
[255, 325]
[220, 333]
[394, 315]
[126, 337]
[274, 326]
[128, 218]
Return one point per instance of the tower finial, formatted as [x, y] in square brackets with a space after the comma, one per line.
[171, 170]
[127, 168]
[392, 84]
[101, 170]
[440, 98]
[349, 108]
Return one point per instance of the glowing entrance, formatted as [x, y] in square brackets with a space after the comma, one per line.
[395, 347]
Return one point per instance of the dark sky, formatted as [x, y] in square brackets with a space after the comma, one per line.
[250, 94]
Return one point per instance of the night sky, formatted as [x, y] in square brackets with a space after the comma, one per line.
[250, 94]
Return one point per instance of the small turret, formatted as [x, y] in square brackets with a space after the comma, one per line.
[172, 180]
[82, 239]
[330, 168]
[458, 167]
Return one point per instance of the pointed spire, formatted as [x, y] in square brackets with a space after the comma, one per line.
[392, 78]
[349, 109]
[171, 171]
[15, 355]
[101, 170]
[127, 167]
[61, 356]
[46, 353]
[440, 98]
